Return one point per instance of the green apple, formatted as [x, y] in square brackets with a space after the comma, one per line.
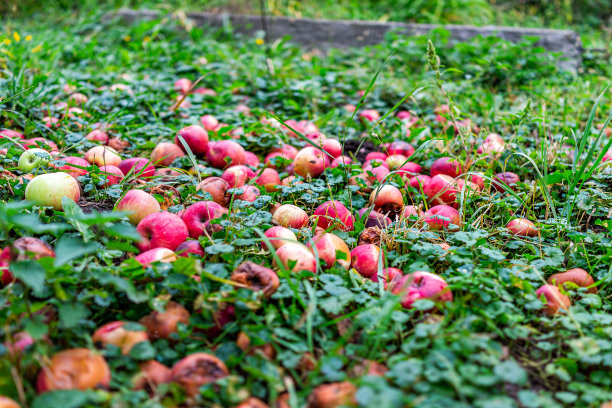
[33, 158]
[48, 190]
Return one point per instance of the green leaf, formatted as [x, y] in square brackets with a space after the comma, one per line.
[143, 351]
[31, 273]
[70, 314]
[219, 249]
[70, 247]
[510, 371]
[68, 399]
[123, 230]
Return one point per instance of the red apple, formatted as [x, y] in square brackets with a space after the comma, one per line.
[287, 151]
[400, 147]
[165, 153]
[365, 259]
[113, 174]
[183, 85]
[196, 370]
[137, 166]
[409, 169]
[378, 156]
[196, 139]
[13, 134]
[197, 217]
[369, 116]
[289, 215]
[78, 98]
[97, 135]
[493, 144]
[190, 247]
[249, 193]
[441, 216]
[577, 276]
[420, 181]
[310, 162]
[139, 204]
[522, 227]
[441, 189]
[40, 142]
[251, 159]
[161, 229]
[225, 153]
[333, 147]
[298, 254]
[412, 211]
[341, 160]
[395, 161]
[156, 255]
[217, 188]
[421, 285]
[6, 402]
[332, 249]
[554, 299]
[209, 122]
[237, 176]
[75, 166]
[269, 179]
[22, 249]
[102, 155]
[387, 199]
[389, 276]
[509, 178]
[278, 236]
[74, 369]
[334, 213]
[378, 173]
[374, 218]
[118, 144]
[447, 166]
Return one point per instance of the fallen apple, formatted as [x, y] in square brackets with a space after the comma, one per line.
[47, 190]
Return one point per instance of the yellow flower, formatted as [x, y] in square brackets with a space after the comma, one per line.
[7, 41]
[127, 38]
[37, 48]
[16, 36]
[259, 41]
[146, 39]
[28, 38]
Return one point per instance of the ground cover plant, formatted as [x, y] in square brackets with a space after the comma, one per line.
[191, 218]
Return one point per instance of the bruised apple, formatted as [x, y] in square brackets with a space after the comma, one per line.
[554, 299]
[196, 370]
[332, 249]
[256, 277]
[161, 325]
[334, 213]
[577, 276]
[365, 259]
[217, 188]
[441, 216]
[297, 255]
[278, 236]
[138, 204]
[421, 285]
[74, 369]
[289, 215]
[197, 217]
[116, 334]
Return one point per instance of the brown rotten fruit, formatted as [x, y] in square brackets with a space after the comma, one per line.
[74, 369]
[162, 325]
[333, 395]
[151, 375]
[196, 370]
[256, 277]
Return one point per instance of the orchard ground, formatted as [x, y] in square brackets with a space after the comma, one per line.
[432, 306]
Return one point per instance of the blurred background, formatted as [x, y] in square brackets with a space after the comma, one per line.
[592, 19]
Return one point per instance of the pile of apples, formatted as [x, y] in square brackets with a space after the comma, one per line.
[165, 235]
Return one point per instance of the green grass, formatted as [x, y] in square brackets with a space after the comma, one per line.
[490, 347]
